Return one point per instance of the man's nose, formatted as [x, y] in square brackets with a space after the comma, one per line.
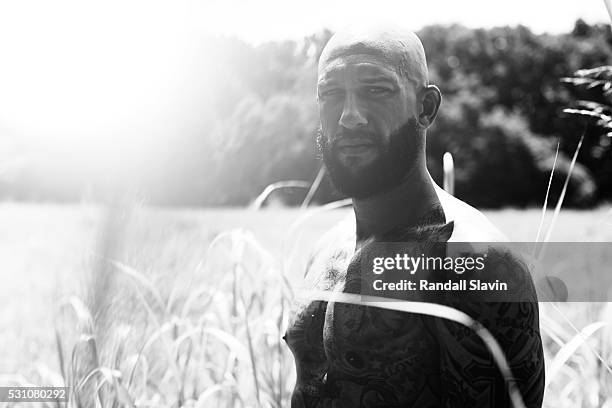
[352, 117]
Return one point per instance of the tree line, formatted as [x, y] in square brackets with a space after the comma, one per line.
[501, 117]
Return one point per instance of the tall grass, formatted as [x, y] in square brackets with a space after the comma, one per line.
[131, 341]
[218, 343]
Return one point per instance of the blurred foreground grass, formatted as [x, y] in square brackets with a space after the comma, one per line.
[190, 312]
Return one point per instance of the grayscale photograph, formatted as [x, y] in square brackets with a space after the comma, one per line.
[306, 204]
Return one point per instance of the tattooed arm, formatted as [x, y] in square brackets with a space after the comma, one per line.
[469, 374]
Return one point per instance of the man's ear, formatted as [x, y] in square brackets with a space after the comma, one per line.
[430, 103]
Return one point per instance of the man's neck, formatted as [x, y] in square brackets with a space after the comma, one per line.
[403, 205]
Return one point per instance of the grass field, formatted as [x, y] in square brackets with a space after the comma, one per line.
[189, 300]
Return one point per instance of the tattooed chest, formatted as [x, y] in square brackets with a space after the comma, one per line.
[357, 354]
[382, 355]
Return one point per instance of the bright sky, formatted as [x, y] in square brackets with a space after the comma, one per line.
[260, 20]
[77, 73]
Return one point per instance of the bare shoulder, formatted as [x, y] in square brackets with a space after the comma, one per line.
[471, 225]
[474, 233]
[514, 324]
[331, 254]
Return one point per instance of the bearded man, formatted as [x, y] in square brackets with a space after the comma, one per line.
[375, 104]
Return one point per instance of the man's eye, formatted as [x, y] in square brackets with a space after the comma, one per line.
[378, 90]
[331, 93]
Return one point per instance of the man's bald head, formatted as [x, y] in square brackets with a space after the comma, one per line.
[398, 48]
[375, 104]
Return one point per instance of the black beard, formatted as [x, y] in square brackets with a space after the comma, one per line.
[389, 170]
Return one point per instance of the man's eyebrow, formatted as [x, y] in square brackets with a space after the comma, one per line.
[326, 82]
[375, 79]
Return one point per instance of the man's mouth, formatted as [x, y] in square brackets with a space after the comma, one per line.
[355, 146]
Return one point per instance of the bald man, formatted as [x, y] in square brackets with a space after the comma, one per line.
[375, 104]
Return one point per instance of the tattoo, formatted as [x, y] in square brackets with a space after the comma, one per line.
[468, 370]
[305, 341]
[351, 355]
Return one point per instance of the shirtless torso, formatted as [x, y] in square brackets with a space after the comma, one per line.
[356, 356]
